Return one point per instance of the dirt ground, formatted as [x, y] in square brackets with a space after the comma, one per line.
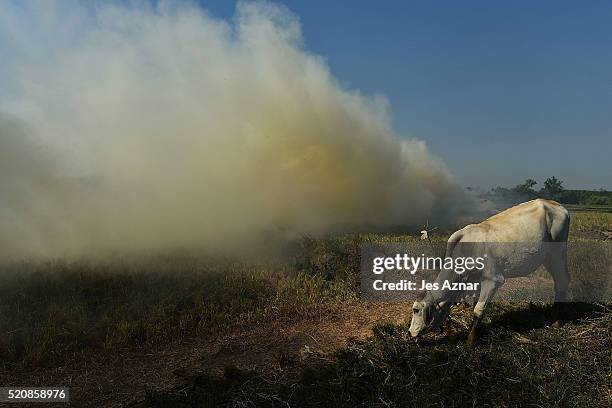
[114, 380]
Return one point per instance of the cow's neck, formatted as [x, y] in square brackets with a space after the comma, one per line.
[440, 297]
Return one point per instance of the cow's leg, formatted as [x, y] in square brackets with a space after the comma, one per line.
[556, 265]
[488, 287]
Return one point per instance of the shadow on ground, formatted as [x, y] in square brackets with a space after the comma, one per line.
[519, 362]
[536, 316]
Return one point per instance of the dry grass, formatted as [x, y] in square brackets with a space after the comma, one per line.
[590, 221]
[51, 312]
[55, 313]
[518, 363]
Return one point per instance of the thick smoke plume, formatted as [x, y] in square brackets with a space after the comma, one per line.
[146, 127]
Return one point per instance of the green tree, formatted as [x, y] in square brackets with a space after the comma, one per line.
[552, 187]
[526, 189]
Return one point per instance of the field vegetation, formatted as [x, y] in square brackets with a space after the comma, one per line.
[520, 363]
[55, 313]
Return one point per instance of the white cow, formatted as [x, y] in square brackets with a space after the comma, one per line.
[517, 241]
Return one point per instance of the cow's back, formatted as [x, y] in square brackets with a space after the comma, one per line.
[535, 220]
[517, 238]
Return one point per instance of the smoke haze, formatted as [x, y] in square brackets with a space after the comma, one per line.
[145, 127]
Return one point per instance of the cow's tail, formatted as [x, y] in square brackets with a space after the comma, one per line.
[452, 242]
[451, 246]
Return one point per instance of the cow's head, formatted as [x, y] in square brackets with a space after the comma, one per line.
[426, 316]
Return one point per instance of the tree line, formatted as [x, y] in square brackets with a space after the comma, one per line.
[551, 189]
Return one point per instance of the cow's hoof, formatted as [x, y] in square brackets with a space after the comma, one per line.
[558, 324]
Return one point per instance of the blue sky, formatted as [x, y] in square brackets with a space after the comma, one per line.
[501, 91]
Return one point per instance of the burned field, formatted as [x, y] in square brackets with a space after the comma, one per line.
[179, 330]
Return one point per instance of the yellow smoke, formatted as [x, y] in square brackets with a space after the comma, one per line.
[149, 127]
